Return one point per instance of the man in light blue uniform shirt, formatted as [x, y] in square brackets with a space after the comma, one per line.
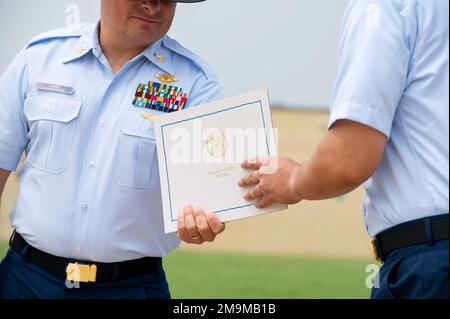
[79, 101]
[389, 129]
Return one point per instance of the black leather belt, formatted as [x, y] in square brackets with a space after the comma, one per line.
[418, 231]
[82, 271]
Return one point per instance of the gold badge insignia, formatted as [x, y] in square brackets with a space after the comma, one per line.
[81, 49]
[159, 57]
[166, 78]
[150, 117]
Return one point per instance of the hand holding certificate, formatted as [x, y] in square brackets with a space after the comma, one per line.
[200, 151]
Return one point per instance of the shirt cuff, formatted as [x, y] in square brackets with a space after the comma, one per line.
[9, 160]
[361, 113]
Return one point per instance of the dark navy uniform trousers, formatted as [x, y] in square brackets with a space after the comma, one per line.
[415, 272]
[20, 279]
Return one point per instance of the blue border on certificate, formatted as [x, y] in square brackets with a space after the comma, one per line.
[205, 115]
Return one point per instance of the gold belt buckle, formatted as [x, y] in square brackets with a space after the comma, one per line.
[81, 273]
[375, 251]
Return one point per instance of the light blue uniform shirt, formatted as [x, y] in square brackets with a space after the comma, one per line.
[90, 186]
[393, 77]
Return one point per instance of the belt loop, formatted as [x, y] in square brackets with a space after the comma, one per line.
[12, 237]
[428, 231]
[115, 272]
[24, 251]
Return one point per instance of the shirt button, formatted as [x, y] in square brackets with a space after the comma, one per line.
[92, 165]
[84, 207]
[102, 123]
[79, 249]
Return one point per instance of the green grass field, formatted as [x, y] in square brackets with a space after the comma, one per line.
[223, 276]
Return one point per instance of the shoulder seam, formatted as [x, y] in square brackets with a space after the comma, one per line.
[200, 63]
[67, 32]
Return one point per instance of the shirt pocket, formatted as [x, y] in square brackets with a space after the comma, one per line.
[136, 158]
[52, 124]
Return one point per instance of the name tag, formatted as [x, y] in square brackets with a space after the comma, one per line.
[55, 88]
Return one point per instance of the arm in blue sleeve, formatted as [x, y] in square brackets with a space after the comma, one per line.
[374, 64]
[13, 128]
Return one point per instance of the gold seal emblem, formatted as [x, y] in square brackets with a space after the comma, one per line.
[166, 78]
[216, 144]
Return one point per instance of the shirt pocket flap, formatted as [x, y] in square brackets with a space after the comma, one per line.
[129, 132]
[51, 108]
[133, 124]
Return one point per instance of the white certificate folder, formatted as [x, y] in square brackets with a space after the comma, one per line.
[200, 151]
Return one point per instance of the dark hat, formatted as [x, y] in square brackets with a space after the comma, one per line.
[186, 1]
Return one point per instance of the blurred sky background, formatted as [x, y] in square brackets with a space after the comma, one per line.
[288, 46]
